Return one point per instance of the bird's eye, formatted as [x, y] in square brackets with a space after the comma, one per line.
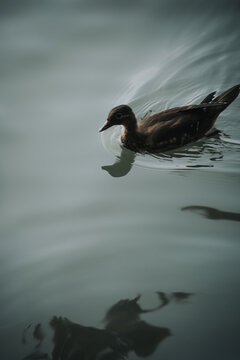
[118, 115]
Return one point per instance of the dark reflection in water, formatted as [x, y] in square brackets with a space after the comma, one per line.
[123, 164]
[212, 213]
[188, 155]
[124, 332]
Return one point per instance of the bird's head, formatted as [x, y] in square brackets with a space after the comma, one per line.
[120, 115]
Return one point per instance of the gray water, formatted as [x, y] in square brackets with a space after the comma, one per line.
[85, 223]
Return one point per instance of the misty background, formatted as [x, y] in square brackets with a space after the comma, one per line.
[83, 225]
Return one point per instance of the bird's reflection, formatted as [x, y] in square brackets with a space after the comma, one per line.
[212, 213]
[190, 153]
[124, 332]
[123, 164]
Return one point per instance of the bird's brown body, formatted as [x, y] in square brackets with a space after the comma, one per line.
[171, 128]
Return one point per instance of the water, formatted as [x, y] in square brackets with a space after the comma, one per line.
[85, 223]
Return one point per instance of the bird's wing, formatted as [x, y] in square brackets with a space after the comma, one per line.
[179, 112]
[201, 107]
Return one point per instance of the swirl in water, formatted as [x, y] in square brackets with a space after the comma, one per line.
[179, 87]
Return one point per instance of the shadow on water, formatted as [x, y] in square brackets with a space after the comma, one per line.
[212, 213]
[124, 332]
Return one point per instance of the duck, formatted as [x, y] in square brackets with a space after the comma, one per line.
[171, 128]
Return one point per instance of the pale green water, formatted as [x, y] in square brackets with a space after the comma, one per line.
[74, 239]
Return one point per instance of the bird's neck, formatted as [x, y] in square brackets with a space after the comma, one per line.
[130, 137]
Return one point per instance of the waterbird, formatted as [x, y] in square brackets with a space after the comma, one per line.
[172, 128]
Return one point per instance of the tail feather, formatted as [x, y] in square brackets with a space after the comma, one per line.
[227, 97]
[208, 98]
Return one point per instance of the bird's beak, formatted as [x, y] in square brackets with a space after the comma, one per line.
[106, 125]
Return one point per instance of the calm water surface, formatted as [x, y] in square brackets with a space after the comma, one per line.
[86, 226]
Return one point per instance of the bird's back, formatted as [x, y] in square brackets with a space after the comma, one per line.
[178, 126]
